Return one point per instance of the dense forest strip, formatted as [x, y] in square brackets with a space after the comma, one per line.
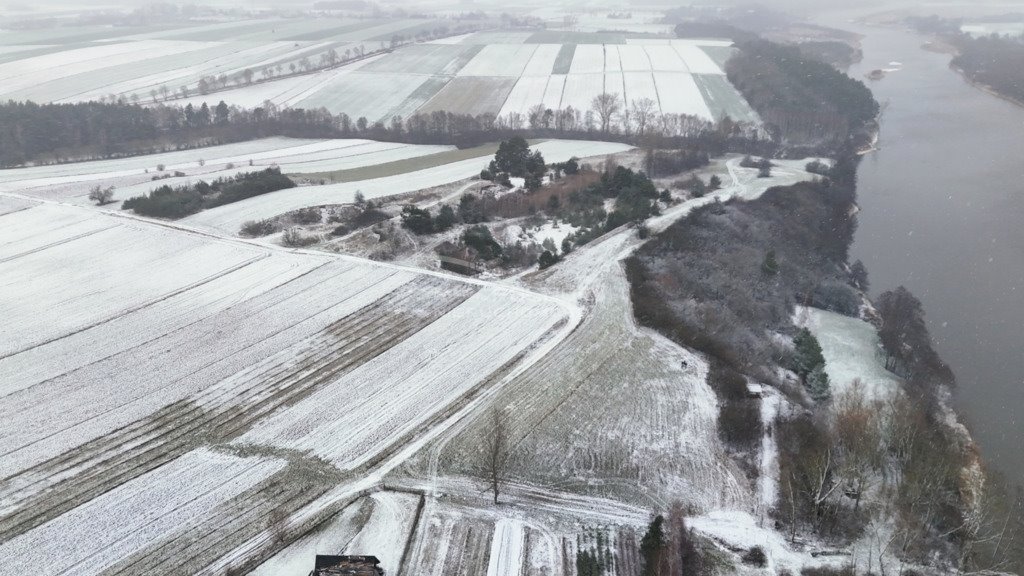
[802, 100]
[54, 133]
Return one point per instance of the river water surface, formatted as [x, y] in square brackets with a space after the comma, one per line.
[943, 214]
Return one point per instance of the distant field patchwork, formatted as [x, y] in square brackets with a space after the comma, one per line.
[505, 74]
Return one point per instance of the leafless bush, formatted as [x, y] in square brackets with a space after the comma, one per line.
[295, 238]
[256, 228]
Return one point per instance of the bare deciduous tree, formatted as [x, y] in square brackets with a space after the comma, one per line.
[858, 440]
[643, 111]
[496, 454]
[101, 195]
[606, 106]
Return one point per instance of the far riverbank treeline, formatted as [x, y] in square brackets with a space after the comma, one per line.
[993, 62]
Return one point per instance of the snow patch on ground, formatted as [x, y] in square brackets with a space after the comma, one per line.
[387, 530]
[852, 351]
[507, 550]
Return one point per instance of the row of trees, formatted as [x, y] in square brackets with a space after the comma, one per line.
[57, 132]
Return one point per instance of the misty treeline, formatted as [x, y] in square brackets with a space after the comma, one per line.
[50, 133]
[996, 62]
[800, 99]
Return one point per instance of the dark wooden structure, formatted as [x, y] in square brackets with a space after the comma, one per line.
[346, 566]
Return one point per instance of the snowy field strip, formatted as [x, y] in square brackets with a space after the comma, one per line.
[22, 48]
[379, 153]
[679, 42]
[45, 225]
[639, 85]
[139, 77]
[507, 548]
[158, 370]
[723, 99]
[633, 58]
[90, 58]
[96, 535]
[358, 94]
[173, 72]
[472, 95]
[136, 78]
[697, 60]
[98, 277]
[665, 59]
[553, 92]
[366, 286]
[500, 60]
[29, 72]
[230, 217]
[396, 392]
[432, 59]
[9, 205]
[460, 39]
[543, 60]
[612, 62]
[580, 90]
[18, 178]
[614, 85]
[680, 95]
[384, 535]
[588, 59]
[180, 311]
[852, 351]
[292, 156]
[527, 93]
[330, 538]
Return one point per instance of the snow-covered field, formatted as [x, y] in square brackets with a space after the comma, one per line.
[394, 393]
[134, 176]
[135, 515]
[135, 352]
[385, 533]
[852, 351]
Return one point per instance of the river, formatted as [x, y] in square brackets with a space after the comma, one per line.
[942, 213]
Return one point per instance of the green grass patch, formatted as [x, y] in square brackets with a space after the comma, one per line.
[564, 59]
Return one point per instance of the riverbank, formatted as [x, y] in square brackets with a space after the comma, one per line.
[940, 207]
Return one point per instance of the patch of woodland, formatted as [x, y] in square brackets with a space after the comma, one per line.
[722, 279]
[574, 194]
[993, 61]
[801, 99]
[180, 201]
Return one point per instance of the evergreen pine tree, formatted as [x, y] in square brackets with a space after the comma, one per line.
[817, 384]
[808, 353]
[652, 545]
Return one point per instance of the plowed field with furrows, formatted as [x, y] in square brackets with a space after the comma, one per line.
[226, 409]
